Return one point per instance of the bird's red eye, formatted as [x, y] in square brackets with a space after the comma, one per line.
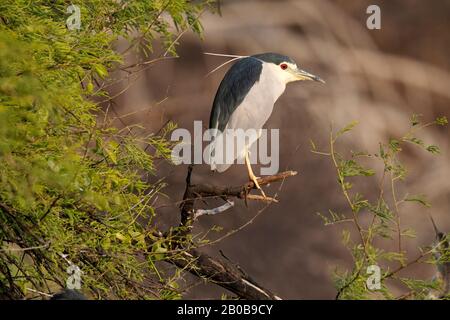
[283, 66]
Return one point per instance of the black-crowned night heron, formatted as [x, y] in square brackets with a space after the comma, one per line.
[245, 100]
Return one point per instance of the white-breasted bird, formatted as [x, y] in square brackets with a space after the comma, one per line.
[245, 100]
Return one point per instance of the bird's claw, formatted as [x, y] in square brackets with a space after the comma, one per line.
[254, 179]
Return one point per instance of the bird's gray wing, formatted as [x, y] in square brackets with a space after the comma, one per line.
[233, 89]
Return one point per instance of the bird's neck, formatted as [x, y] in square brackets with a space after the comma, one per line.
[270, 78]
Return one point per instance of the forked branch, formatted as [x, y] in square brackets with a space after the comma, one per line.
[219, 271]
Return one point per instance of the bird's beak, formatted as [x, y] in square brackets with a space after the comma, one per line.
[303, 75]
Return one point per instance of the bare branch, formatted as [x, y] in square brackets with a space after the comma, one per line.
[221, 272]
[224, 274]
[222, 208]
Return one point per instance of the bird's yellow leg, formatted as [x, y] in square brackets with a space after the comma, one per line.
[252, 176]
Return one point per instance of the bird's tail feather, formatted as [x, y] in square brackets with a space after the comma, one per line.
[221, 167]
[224, 151]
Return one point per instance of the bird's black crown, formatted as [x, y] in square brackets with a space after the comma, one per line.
[271, 57]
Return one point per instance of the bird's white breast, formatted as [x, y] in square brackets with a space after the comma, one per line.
[257, 106]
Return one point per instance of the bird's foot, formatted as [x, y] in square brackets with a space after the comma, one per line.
[254, 179]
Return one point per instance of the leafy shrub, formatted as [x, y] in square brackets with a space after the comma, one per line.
[71, 187]
[384, 221]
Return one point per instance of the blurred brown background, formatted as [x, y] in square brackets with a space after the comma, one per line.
[378, 77]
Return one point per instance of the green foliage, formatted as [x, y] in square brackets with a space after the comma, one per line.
[71, 187]
[381, 215]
